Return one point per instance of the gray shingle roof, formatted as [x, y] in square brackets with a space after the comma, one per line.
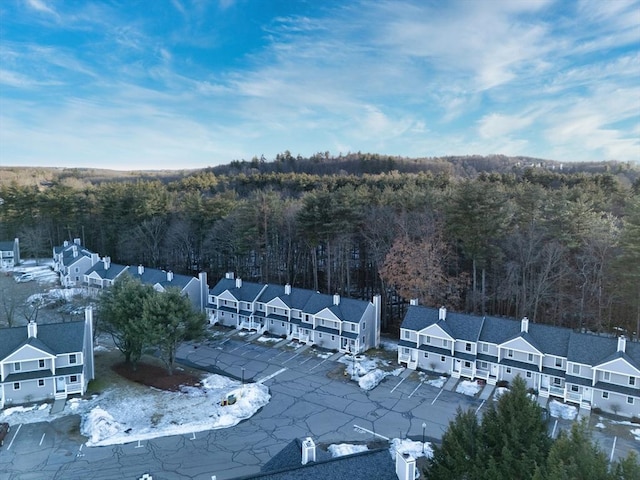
[7, 246]
[110, 274]
[248, 292]
[53, 338]
[153, 276]
[287, 465]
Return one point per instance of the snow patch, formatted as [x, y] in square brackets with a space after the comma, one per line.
[562, 410]
[437, 382]
[415, 449]
[366, 371]
[467, 387]
[342, 449]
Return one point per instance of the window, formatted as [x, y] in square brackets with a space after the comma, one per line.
[510, 353]
[40, 363]
[232, 315]
[442, 358]
[353, 327]
[485, 347]
[530, 357]
[72, 358]
[484, 365]
[322, 322]
[632, 381]
[606, 376]
[364, 325]
[406, 334]
[630, 400]
[575, 388]
[77, 270]
[605, 394]
[41, 383]
[16, 385]
[467, 364]
[16, 366]
[282, 324]
[319, 335]
[508, 369]
[333, 337]
[428, 339]
[557, 381]
[467, 347]
[271, 321]
[575, 369]
[445, 342]
[73, 378]
[558, 362]
[426, 355]
[528, 374]
[405, 351]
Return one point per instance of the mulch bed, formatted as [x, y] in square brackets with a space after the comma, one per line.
[157, 377]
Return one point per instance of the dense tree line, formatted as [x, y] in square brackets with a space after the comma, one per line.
[558, 247]
[510, 441]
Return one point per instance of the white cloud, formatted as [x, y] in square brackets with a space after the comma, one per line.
[41, 6]
[498, 125]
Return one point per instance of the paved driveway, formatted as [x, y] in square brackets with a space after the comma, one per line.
[310, 397]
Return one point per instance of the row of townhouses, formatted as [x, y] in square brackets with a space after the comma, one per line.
[9, 254]
[80, 267]
[46, 362]
[582, 368]
[329, 321]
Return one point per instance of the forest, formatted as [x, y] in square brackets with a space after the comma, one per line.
[496, 235]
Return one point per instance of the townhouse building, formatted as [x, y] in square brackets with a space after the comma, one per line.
[46, 362]
[586, 369]
[328, 321]
[9, 254]
[71, 261]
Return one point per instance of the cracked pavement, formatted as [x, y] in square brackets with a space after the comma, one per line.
[309, 397]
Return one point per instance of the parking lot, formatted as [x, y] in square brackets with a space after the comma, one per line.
[310, 397]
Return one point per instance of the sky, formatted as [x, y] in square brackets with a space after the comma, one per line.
[174, 84]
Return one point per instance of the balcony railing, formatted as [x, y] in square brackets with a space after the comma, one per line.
[574, 397]
[556, 391]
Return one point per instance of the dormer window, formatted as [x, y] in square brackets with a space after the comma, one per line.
[40, 363]
[16, 366]
[73, 358]
[632, 381]
[406, 335]
[467, 347]
[510, 353]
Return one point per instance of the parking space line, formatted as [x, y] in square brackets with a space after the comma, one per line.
[14, 436]
[291, 358]
[318, 364]
[269, 377]
[434, 400]
[278, 354]
[398, 384]
[42, 439]
[305, 361]
[415, 389]
[481, 405]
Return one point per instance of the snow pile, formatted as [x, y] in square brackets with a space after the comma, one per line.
[601, 425]
[467, 387]
[342, 449]
[366, 371]
[636, 433]
[389, 345]
[415, 449]
[268, 339]
[437, 382]
[562, 410]
[56, 294]
[98, 425]
[499, 392]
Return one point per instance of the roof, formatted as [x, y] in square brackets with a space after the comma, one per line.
[248, 292]
[297, 299]
[5, 246]
[53, 338]
[153, 276]
[110, 274]
[368, 465]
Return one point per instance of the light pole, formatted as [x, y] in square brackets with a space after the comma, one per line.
[424, 427]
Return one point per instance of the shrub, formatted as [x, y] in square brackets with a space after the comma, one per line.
[503, 384]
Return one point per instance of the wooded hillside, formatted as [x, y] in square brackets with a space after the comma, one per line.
[492, 235]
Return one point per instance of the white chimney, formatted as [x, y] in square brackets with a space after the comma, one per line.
[32, 329]
[238, 283]
[74, 249]
[65, 244]
[308, 451]
[140, 269]
[77, 241]
[405, 466]
[107, 262]
[524, 327]
[95, 258]
[442, 313]
[413, 301]
[169, 276]
[229, 276]
[336, 299]
[622, 343]
[287, 289]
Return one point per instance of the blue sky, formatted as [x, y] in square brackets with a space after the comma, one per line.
[155, 84]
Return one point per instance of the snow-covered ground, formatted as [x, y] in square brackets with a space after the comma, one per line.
[467, 387]
[42, 271]
[562, 410]
[114, 417]
[368, 372]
